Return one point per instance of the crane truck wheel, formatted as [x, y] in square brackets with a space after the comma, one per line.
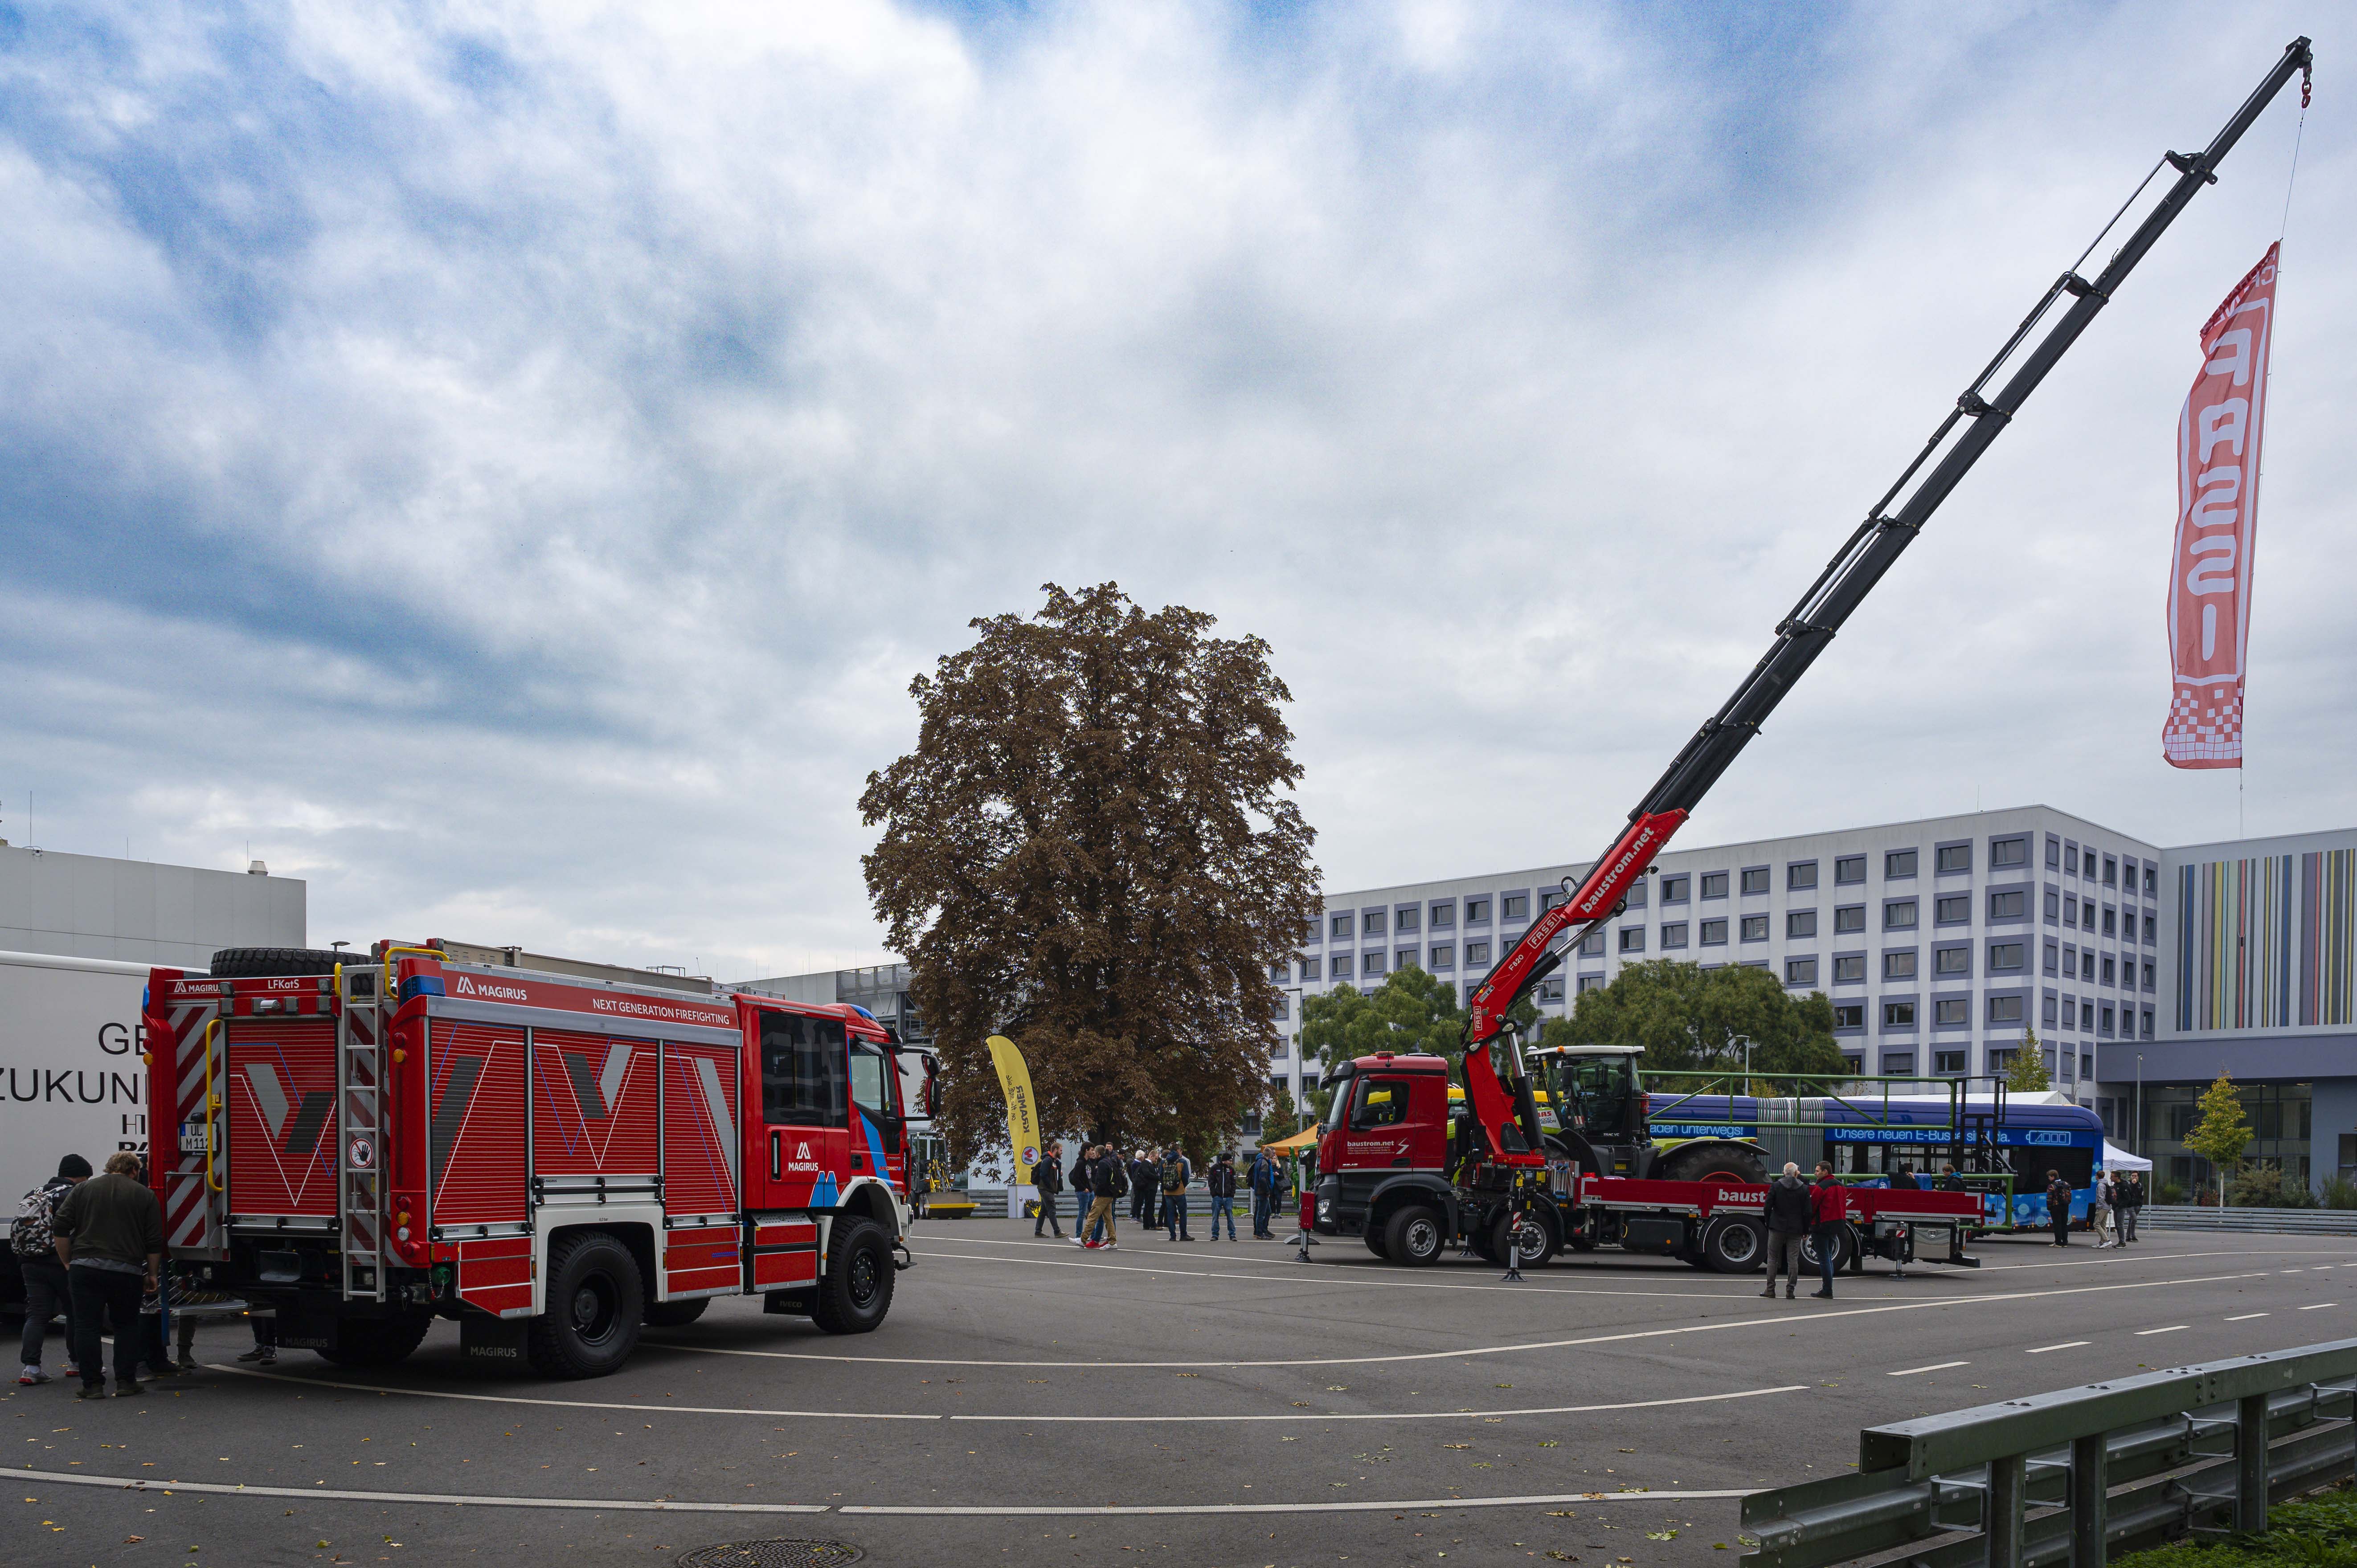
[1843, 1248]
[377, 1341]
[1414, 1236]
[1733, 1244]
[1376, 1244]
[596, 1303]
[856, 1292]
[676, 1314]
[1538, 1238]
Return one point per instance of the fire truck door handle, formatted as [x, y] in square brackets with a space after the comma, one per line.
[777, 1156]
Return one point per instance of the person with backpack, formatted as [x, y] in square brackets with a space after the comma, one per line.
[47, 1290]
[109, 1232]
[1176, 1173]
[1078, 1178]
[1049, 1178]
[1108, 1181]
[1263, 1180]
[2058, 1207]
[1221, 1184]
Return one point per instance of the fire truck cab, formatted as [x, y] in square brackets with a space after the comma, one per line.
[551, 1154]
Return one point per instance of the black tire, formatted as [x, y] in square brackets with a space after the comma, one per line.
[235, 963]
[1734, 1245]
[1713, 1161]
[856, 1292]
[1539, 1236]
[1845, 1250]
[377, 1341]
[596, 1303]
[676, 1314]
[1374, 1239]
[1414, 1235]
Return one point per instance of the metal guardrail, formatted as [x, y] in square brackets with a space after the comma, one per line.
[2069, 1477]
[2285, 1222]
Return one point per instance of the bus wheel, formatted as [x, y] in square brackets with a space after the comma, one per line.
[596, 1303]
[1733, 1245]
[1414, 1236]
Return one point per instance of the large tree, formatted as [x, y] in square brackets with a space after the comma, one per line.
[1691, 1017]
[1092, 851]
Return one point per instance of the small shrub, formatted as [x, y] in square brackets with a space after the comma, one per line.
[2170, 1193]
[2263, 1186]
[2339, 1192]
[2320, 1532]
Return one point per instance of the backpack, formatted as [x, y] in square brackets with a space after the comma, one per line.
[1112, 1181]
[31, 1236]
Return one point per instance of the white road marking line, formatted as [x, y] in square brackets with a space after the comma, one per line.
[1635, 1495]
[1780, 1320]
[216, 1488]
[565, 1404]
[2066, 1344]
[2170, 1329]
[1934, 1366]
[1411, 1415]
[627, 1505]
[2246, 1317]
[2320, 1306]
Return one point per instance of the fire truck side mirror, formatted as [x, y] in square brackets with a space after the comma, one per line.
[931, 1096]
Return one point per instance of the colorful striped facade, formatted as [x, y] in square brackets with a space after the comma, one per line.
[2266, 942]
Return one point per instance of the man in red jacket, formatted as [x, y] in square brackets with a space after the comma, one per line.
[1828, 1206]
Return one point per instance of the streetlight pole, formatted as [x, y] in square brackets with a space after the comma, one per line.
[2139, 1108]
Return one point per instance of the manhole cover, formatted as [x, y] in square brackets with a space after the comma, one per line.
[769, 1554]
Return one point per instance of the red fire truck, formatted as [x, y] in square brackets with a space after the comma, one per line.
[550, 1152]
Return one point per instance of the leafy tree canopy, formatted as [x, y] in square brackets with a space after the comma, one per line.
[2025, 1073]
[1092, 851]
[1688, 1017]
[2222, 1134]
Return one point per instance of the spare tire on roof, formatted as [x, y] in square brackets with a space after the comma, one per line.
[235, 963]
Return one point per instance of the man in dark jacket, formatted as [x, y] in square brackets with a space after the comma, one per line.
[1263, 1178]
[1049, 1179]
[1222, 1181]
[1903, 1180]
[1789, 1212]
[2058, 1207]
[110, 1237]
[1078, 1177]
[2131, 1199]
[1175, 1172]
[1828, 1208]
[1105, 1182]
[48, 1290]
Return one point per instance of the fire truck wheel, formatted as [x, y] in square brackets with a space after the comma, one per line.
[676, 1314]
[1414, 1236]
[377, 1341]
[1733, 1245]
[1538, 1237]
[229, 963]
[856, 1292]
[596, 1303]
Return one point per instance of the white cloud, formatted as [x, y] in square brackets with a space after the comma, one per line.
[508, 461]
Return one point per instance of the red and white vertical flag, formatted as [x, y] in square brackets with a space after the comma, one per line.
[2217, 526]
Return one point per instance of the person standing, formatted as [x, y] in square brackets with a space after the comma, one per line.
[1142, 1179]
[1049, 1179]
[1903, 1180]
[110, 1237]
[1220, 1183]
[1104, 1181]
[1262, 1181]
[2131, 1200]
[2058, 1207]
[2099, 1211]
[1176, 1172]
[48, 1292]
[1078, 1177]
[1828, 1210]
[1790, 1215]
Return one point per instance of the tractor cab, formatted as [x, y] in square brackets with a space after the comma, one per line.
[1594, 1092]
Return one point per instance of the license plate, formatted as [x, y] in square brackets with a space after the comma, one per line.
[196, 1140]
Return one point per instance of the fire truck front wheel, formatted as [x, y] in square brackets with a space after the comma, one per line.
[595, 1302]
[856, 1292]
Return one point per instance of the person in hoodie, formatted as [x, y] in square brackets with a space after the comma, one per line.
[1049, 1176]
[48, 1291]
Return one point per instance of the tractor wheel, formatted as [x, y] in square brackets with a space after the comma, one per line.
[377, 1341]
[676, 1314]
[1414, 1236]
[856, 1292]
[1733, 1244]
[596, 1303]
[1713, 1162]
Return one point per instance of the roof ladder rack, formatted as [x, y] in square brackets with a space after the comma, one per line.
[359, 1124]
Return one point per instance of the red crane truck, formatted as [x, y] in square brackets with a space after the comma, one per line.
[550, 1152]
[1392, 1171]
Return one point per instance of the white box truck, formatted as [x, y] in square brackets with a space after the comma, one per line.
[72, 1080]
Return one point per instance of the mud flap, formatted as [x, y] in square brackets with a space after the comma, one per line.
[482, 1338]
[907, 1260]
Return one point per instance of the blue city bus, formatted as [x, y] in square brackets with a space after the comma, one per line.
[2004, 1147]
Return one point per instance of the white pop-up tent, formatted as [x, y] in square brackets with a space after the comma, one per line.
[2116, 1159]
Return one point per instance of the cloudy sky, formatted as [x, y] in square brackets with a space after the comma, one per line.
[504, 464]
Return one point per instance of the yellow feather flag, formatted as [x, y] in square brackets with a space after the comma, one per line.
[1022, 1110]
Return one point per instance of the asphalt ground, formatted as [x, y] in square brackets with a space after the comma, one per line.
[1205, 1402]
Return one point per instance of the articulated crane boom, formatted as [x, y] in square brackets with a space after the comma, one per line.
[1499, 1094]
